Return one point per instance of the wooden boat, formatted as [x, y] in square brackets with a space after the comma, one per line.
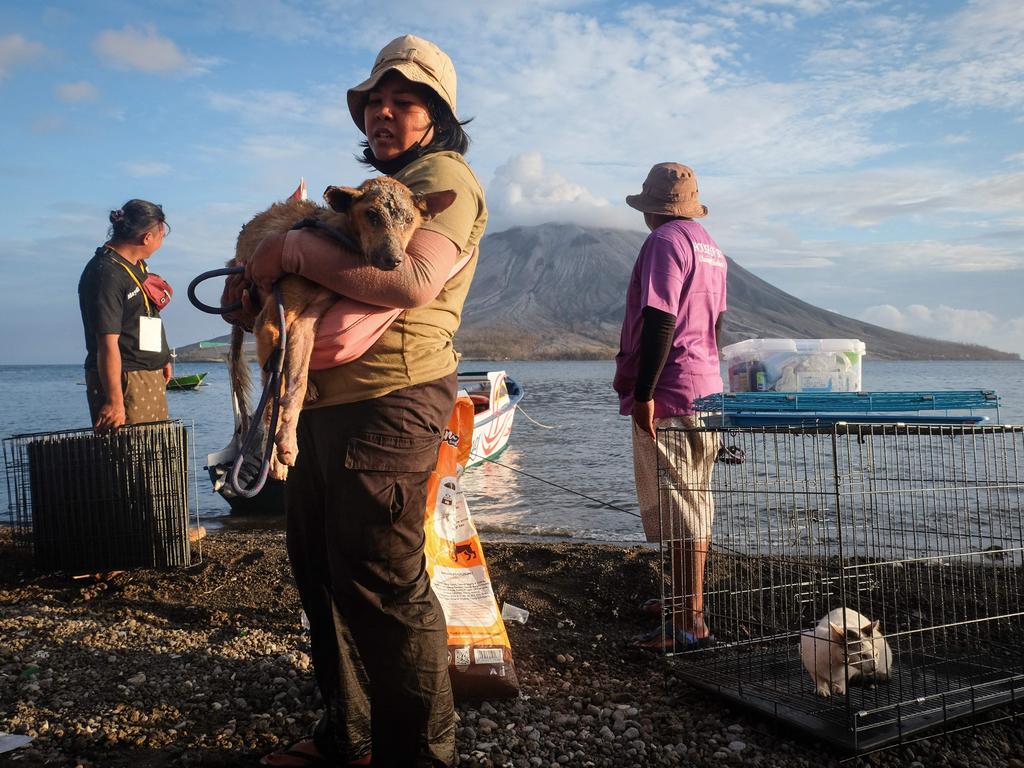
[494, 397]
[190, 381]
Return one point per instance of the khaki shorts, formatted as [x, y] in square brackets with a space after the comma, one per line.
[684, 485]
[145, 395]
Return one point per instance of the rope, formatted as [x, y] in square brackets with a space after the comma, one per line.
[556, 485]
[528, 416]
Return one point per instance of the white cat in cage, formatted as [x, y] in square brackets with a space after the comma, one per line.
[845, 645]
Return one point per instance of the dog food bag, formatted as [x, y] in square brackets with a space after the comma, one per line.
[479, 654]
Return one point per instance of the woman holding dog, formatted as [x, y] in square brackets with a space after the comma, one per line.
[127, 363]
[367, 445]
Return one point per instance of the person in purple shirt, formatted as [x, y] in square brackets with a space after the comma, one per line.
[668, 357]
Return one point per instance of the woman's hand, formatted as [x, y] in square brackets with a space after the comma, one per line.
[264, 268]
[168, 372]
[236, 290]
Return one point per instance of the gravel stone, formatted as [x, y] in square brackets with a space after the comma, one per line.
[209, 666]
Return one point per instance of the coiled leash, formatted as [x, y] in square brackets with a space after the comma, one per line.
[274, 367]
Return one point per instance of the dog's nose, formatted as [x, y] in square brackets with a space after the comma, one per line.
[388, 261]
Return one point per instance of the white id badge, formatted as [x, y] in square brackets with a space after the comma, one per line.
[150, 338]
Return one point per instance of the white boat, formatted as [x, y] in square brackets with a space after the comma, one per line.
[495, 397]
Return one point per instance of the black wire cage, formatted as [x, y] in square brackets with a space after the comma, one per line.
[918, 528]
[82, 502]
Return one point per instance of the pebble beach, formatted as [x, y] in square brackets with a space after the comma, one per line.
[208, 665]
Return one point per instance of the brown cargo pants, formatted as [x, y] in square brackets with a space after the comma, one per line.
[356, 503]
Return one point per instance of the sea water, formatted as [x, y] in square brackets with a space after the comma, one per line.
[567, 440]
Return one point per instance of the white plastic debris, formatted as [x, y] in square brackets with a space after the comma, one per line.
[511, 612]
[304, 620]
[11, 741]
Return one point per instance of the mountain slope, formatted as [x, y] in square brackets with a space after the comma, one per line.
[557, 291]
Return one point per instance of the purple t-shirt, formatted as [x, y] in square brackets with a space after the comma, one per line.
[681, 271]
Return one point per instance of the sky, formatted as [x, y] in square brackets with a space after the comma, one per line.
[866, 156]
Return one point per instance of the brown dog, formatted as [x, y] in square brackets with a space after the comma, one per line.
[381, 216]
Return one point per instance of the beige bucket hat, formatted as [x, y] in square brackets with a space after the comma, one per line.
[670, 190]
[417, 60]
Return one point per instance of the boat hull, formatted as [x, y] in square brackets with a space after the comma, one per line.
[493, 426]
[190, 381]
[494, 394]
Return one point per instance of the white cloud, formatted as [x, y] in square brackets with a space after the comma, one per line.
[525, 192]
[956, 138]
[142, 170]
[143, 49]
[872, 198]
[16, 50]
[321, 106]
[973, 326]
[82, 90]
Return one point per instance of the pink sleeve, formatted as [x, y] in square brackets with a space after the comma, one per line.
[429, 260]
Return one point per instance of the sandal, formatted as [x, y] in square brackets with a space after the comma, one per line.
[731, 454]
[668, 639]
[651, 605]
[293, 757]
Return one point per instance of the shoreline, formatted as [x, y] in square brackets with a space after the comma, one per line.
[208, 665]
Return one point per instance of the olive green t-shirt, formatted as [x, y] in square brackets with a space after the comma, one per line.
[417, 347]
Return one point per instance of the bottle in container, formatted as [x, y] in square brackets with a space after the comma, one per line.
[758, 376]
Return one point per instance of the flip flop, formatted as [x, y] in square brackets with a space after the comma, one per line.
[668, 639]
[297, 758]
[652, 605]
[731, 454]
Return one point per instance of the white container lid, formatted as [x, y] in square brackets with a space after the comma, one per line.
[759, 347]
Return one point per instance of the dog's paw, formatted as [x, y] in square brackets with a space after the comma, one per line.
[286, 453]
[278, 469]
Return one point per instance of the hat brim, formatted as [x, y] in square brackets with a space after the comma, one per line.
[358, 95]
[646, 204]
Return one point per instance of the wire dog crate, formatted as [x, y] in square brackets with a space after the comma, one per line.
[85, 502]
[918, 527]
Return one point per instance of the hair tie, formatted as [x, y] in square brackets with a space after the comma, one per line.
[117, 215]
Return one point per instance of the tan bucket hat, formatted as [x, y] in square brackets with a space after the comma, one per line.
[670, 190]
[417, 60]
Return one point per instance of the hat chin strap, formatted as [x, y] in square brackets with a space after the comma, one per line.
[395, 164]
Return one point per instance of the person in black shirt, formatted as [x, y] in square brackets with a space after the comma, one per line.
[127, 363]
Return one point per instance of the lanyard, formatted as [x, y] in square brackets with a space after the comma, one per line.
[131, 274]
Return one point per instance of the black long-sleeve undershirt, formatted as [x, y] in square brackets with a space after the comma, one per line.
[655, 344]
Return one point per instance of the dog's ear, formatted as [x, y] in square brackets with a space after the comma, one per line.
[340, 199]
[432, 203]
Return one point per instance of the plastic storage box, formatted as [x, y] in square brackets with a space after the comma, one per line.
[794, 365]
